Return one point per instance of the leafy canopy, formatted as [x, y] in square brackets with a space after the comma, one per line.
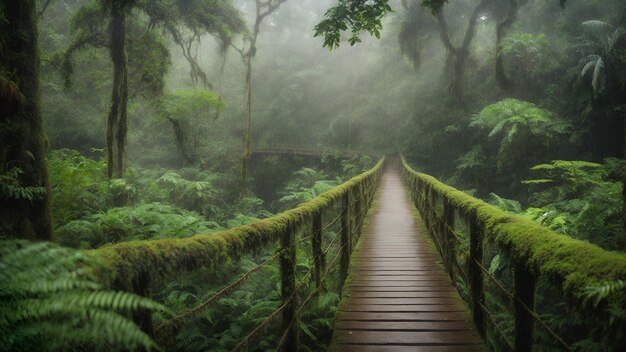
[354, 15]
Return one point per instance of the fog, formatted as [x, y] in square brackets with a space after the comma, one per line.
[221, 162]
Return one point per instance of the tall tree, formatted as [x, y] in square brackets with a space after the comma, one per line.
[459, 54]
[24, 187]
[247, 52]
[117, 121]
[219, 18]
[512, 7]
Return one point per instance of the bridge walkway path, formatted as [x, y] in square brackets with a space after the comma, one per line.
[397, 296]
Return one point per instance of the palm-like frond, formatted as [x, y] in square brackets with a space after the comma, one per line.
[599, 77]
[49, 302]
[596, 28]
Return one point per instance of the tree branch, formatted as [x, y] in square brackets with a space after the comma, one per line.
[43, 8]
[444, 33]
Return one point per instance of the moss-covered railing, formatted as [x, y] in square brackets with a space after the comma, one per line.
[139, 265]
[301, 150]
[527, 286]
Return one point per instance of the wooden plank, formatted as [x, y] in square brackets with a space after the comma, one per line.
[401, 325]
[352, 307]
[400, 294]
[400, 283]
[414, 277]
[404, 348]
[402, 316]
[410, 337]
[414, 300]
[396, 266]
[399, 289]
[363, 271]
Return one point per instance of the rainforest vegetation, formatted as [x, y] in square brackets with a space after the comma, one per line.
[129, 126]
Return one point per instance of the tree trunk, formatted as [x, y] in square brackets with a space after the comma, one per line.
[460, 54]
[246, 142]
[624, 191]
[117, 122]
[180, 137]
[503, 81]
[21, 130]
[457, 85]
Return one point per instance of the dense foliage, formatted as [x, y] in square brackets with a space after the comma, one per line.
[151, 107]
[49, 302]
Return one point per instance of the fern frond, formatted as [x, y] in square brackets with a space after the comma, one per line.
[597, 82]
[597, 27]
[601, 291]
[48, 302]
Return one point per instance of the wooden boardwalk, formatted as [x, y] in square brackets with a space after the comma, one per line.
[398, 296]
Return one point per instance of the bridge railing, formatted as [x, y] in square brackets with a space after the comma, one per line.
[301, 150]
[527, 286]
[324, 228]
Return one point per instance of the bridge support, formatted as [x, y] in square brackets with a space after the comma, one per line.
[524, 303]
[316, 244]
[288, 291]
[346, 239]
[143, 317]
[476, 274]
[358, 205]
[449, 237]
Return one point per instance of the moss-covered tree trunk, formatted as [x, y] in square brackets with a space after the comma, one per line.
[624, 188]
[117, 122]
[21, 131]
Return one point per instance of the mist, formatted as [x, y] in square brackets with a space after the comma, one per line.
[312, 175]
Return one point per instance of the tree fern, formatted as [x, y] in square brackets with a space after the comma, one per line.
[602, 44]
[49, 302]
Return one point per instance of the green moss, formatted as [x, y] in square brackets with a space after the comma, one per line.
[125, 265]
[572, 263]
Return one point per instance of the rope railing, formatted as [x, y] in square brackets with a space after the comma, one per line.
[330, 267]
[221, 293]
[538, 256]
[138, 266]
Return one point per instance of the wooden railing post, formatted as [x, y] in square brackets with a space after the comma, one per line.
[417, 186]
[358, 207]
[288, 290]
[143, 317]
[524, 299]
[448, 223]
[316, 243]
[345, 239]
[476, 273]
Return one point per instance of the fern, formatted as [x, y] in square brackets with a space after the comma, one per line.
[78, 185]
[48, 302]
[601, 60]
[596, 294]
[508, 205]
[11, 187]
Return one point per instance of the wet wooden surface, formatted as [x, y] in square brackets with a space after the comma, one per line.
[398, 296]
